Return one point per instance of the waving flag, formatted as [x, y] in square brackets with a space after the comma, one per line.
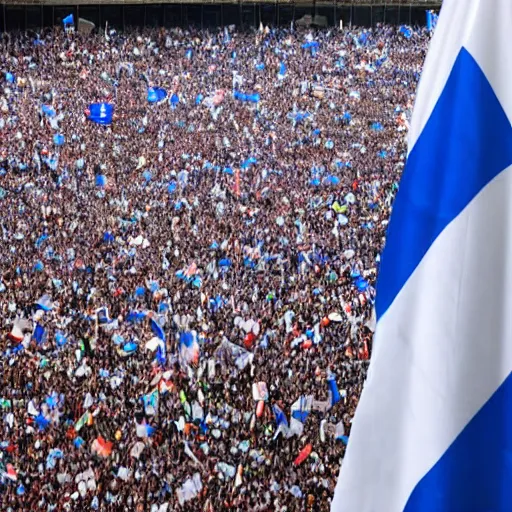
[432, 429]
[188, 273]
[432, 18]
[333, 389]
[301, 408]
[16, 333]
[48, 111]
[156, 322]
[39, 334]
[189, 347]
[282, 70]
[100, 113]
[406, 32]
[156, 94]
[251, 98]
[281, 421]
[136, 316]
[44, 303]
[144, 430]
[102, 315]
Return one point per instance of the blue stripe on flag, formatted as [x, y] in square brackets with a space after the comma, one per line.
[157, 329]
[465, 144]
[476, 468]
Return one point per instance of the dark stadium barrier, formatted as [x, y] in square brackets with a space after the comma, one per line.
[211, 15]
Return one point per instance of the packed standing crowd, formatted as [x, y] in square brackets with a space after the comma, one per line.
[187, 291]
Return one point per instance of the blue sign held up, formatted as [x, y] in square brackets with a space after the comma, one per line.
[101, 113]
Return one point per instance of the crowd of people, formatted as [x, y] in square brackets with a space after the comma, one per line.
[187, 289]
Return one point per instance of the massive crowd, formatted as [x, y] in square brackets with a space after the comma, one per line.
[187, 292]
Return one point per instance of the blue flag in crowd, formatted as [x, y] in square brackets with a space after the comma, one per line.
[406, 32]
[251, 98]
[157, 328]
[432, 18]
[48, 110]
[101, 113]
[44, 303]
[156, 94]
[432, 428]
[69, 20]
[39, 334]
[333, 388]
[280, 416]
[102, 314]
[174, 100]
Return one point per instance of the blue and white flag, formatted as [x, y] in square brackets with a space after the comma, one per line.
[432, 431]
[44, 302]
[102, 315]
[280, 416]
[301, 408]
[156, 94]
[156, 323]
[101, 113]
[48, 110]
[189, 347]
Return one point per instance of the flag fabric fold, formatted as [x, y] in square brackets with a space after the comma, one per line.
[431, 431]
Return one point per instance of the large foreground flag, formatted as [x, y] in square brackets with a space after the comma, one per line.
[433, 430]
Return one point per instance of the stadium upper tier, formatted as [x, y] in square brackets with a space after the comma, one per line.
[405, 3]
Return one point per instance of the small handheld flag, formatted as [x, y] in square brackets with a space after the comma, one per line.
[68, 20]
